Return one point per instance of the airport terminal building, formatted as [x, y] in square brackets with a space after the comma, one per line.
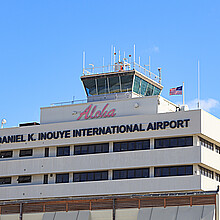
[125, 154]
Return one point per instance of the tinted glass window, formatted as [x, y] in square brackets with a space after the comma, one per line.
[26, 153]
[91, 149]
[173, 142]
[126, 82]
[173, 171]
[90, 176]
[62, 178]
[5, 180]
[6, 154]
[63, 151]
[131, 173]
[131, 145]
[24, 179]
[102, 85]
[114, 84]
[137, 81]
[90, 86]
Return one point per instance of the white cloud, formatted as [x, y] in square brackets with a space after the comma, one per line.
[207, 104]
[155, 49]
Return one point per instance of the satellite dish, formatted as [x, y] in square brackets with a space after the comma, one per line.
[3, 122]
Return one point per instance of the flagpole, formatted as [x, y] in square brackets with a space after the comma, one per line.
[183, 95]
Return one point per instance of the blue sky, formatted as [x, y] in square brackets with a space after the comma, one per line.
[42, 41]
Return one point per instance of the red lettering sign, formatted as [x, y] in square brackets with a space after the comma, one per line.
[90, 112]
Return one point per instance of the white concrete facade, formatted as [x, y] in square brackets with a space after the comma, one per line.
[139, 111]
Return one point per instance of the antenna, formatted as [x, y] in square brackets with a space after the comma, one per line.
[3, 122]
[198, 104]
[84, 59]
[149, 64]
[134, 53]
[103, 64]
[114, 58]
[111, 56]
[119, 56]
[159, 70]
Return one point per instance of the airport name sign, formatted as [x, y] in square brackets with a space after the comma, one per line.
[96, 131]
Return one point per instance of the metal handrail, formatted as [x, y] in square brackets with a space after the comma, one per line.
[120, 67]
[69, 102]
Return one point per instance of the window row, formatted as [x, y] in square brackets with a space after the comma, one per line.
[206, 143]
[206, 172]
[104, 175]
[21, 179]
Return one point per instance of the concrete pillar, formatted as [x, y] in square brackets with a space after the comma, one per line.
[196, 170]
[51, 178]
[152, 143]
[70, 177]
[14, 180]
[151, 172]
[38, 152]
[110, 174]
[111, 146]
[52, 152]
[196, 141]
[16, 153]
[71, 150]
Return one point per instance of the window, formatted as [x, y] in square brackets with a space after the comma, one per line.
[24, 179]
[63, 151]
[206, 172]
[46, 153]
[173, 142]
[91, 149]
[90, 176]
[6, 154]
[126, 82]
[26, 153]
[206, 143]
[217, 176]
[62, 178]
[217, 149]
[46, 179]
[114, 84]
[131, 173]
[90, 86]
[5, 180]
[173, 171]
[131, 145]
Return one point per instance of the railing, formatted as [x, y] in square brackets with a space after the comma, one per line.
[120, 67]
[69, 102]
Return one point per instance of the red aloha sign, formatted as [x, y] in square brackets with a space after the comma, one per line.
[91, 112]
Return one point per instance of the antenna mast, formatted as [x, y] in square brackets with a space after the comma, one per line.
[84, 58]
[198, 104]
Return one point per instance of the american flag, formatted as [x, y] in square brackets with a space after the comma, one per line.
[176, 91]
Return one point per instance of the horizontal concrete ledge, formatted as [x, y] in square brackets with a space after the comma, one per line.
[106, 161]
[110, 187]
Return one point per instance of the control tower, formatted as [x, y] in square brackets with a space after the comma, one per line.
[120, 81]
